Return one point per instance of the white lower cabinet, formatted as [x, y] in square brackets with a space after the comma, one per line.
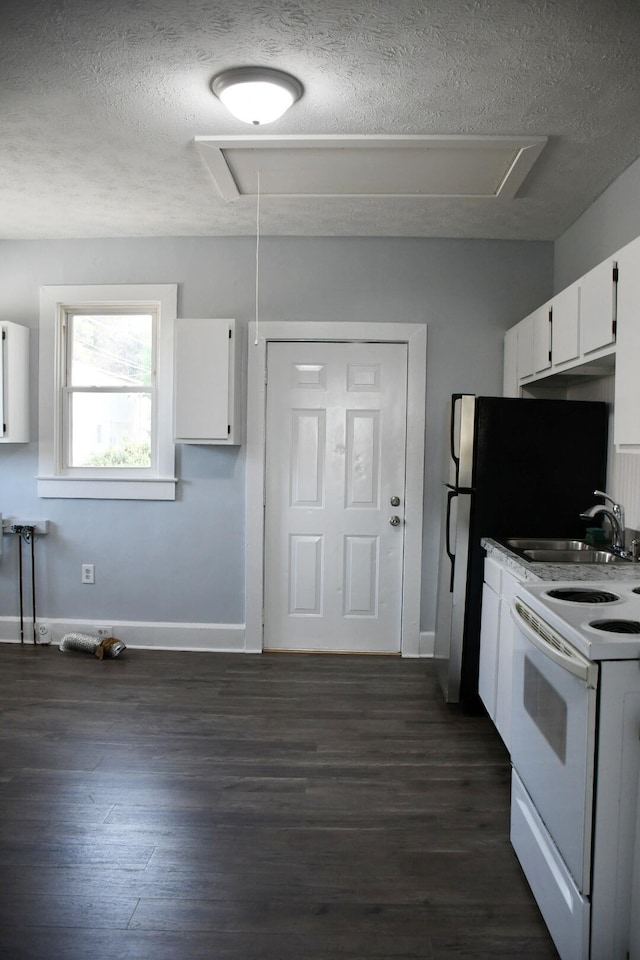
[635, 890]
[489, 631]
[496, 646]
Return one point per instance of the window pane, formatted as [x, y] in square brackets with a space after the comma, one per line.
[111, 350]
[110, 430]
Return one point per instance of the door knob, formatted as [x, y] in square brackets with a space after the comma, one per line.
[395, 501]
[394, 521]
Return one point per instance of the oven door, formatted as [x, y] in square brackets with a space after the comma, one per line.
[553, 735]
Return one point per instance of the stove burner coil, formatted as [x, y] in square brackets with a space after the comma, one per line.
[616, 626]
[582, 595]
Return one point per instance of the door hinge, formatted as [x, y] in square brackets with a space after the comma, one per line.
[614, 327]
[4, 334]
[229, 333]
[615, 274]
[228, 429]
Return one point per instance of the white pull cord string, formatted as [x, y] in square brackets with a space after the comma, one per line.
[257, 260]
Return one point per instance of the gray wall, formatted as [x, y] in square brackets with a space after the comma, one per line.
[612, 221]
[184, 560]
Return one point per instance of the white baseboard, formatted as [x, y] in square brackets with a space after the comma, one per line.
[421, 646]
[427, 643]
[211, 637]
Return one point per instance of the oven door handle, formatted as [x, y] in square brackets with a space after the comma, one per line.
[552, 644]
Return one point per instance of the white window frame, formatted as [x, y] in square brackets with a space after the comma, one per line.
[158, 482]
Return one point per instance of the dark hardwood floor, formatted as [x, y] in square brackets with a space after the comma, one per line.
[224, 807]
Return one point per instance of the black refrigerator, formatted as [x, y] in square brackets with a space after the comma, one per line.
[516, 468]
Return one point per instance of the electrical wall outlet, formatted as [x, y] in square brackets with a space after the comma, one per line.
[43, 633]
[103, 631]
[12, 524]
[88, 573]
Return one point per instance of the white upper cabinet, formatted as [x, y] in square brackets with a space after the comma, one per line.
[576, 328]
[510, 384]
[565, 345]
[627, 384]
[598, 307]
[542, 339]
[594, 322]
[14, 383]
[526, 359]
[207, 382]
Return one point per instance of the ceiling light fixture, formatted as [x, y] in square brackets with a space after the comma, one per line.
[256, 95]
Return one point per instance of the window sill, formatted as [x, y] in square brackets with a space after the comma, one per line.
[109, 488]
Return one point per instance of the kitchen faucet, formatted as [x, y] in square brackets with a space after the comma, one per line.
[615, 517]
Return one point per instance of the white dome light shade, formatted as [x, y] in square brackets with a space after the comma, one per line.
[256, 95]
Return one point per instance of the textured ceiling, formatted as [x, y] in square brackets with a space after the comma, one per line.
[100, 101]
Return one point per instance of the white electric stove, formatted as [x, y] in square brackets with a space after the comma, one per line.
[576, 760]
[601, 619]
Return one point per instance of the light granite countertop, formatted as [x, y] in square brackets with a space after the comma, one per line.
[530, 571]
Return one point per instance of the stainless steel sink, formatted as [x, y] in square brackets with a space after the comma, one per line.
[524, 543]
[560, 550]
[589, 555]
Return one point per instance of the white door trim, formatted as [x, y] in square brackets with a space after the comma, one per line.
[415, 336]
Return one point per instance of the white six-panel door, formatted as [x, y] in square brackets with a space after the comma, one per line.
[335, 459]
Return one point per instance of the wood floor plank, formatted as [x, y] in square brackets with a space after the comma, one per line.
[171, 804]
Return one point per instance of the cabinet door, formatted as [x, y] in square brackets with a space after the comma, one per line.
[598, 307]
[542, 339]
[202, 381]
[504, 673]
[489, 626]
[14, 383]
[510, 387]
[525, 347]
[564, 326]
[626, 429]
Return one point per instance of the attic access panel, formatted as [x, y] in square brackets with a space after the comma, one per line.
[369, 166]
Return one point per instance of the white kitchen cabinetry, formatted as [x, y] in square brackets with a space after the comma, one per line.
[626, 429]
[511, 384]
[496, 646]
[526, 358]
[573, 334]
[598, 307]
[14, 383]
[489, 630]
[565, 343]
[207, 382]
[508, 585]
[542, 339]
